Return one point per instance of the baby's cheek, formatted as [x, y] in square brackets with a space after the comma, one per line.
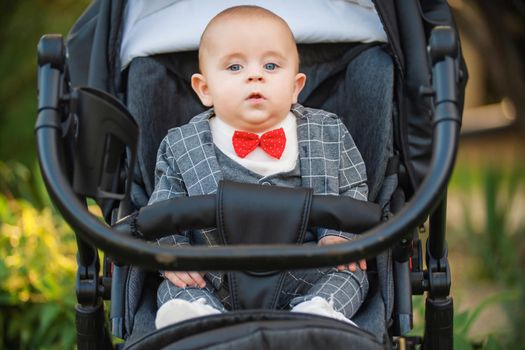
[224, 106]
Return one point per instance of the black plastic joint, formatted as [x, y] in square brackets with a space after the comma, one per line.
[403, 250]
[438, 274]
[442, 43]
[51, 51]
[87, 285]
[445, 78]
[48, 118]
[446, 111]
[419, 282]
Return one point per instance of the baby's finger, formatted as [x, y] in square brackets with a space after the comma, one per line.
[173, 278]
[197, 278]
[352, 267]
[186, 278]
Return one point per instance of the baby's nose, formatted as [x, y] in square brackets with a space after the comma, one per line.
[255, 78]
[255, 75]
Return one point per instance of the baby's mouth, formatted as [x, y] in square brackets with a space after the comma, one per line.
[256, 96]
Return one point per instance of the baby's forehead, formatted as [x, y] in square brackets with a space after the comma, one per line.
[247, 22]
[239, 27]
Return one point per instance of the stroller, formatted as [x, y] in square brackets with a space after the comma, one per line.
[96, 140]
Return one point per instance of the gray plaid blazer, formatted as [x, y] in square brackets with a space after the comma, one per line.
[330, 163]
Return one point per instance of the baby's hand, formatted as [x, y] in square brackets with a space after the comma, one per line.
[328, 240]
[183, 279]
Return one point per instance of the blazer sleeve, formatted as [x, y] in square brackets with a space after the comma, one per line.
[352, 177]
[168, 184]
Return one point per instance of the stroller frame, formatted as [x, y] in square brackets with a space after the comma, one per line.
[68, 190]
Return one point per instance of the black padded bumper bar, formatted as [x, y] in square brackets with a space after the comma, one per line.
[178, 214]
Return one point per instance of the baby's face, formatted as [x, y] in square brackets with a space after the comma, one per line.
[249, 73]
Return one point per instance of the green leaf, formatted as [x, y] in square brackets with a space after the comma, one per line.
[494, 299]
[461, 343]
[460, 322]
[50, 312]
[493, 344]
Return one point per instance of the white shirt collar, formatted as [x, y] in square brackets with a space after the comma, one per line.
[259, 161]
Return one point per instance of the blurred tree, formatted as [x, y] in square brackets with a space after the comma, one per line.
[23, 23]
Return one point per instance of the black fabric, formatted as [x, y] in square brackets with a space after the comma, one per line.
[393, 165]
[254, 329]
[93, 46]
[326, 80]
[416, 19]
[238, 208]
[160, 97]
[251, 290]
[415, 125]
[144, 316]
[387, 13]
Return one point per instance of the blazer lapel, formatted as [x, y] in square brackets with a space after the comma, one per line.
[315, 173]
[304, 133]
[201, 179]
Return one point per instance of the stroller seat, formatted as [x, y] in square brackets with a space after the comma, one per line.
[339, 80]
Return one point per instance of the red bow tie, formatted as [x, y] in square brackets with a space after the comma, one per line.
[272, 142]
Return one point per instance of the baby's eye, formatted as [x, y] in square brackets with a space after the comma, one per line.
[270, 66]
[234, 67]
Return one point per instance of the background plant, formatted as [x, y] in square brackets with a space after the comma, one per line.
[496, 239]
[37, 272]
[464, 322]
[23, 23]
[491, 236]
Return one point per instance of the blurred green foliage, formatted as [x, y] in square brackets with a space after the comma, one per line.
[492, 232]
[37, 268]
[37, 249]
[464, 321]
[498, 242]
[23, 23]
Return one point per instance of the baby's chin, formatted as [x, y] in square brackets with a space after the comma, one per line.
[260, 121]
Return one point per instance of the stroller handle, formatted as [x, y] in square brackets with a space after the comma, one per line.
[131, 250]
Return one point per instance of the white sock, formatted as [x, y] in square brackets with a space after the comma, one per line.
[178, 310]
[319, 306]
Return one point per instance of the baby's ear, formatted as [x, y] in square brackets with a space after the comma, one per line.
[300, 80]
[200, 86]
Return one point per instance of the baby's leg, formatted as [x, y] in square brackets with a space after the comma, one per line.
[344, 291]
[179, 304]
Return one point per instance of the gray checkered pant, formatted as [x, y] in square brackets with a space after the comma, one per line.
[347, 290]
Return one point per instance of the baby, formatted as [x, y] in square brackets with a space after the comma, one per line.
[256, 132]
